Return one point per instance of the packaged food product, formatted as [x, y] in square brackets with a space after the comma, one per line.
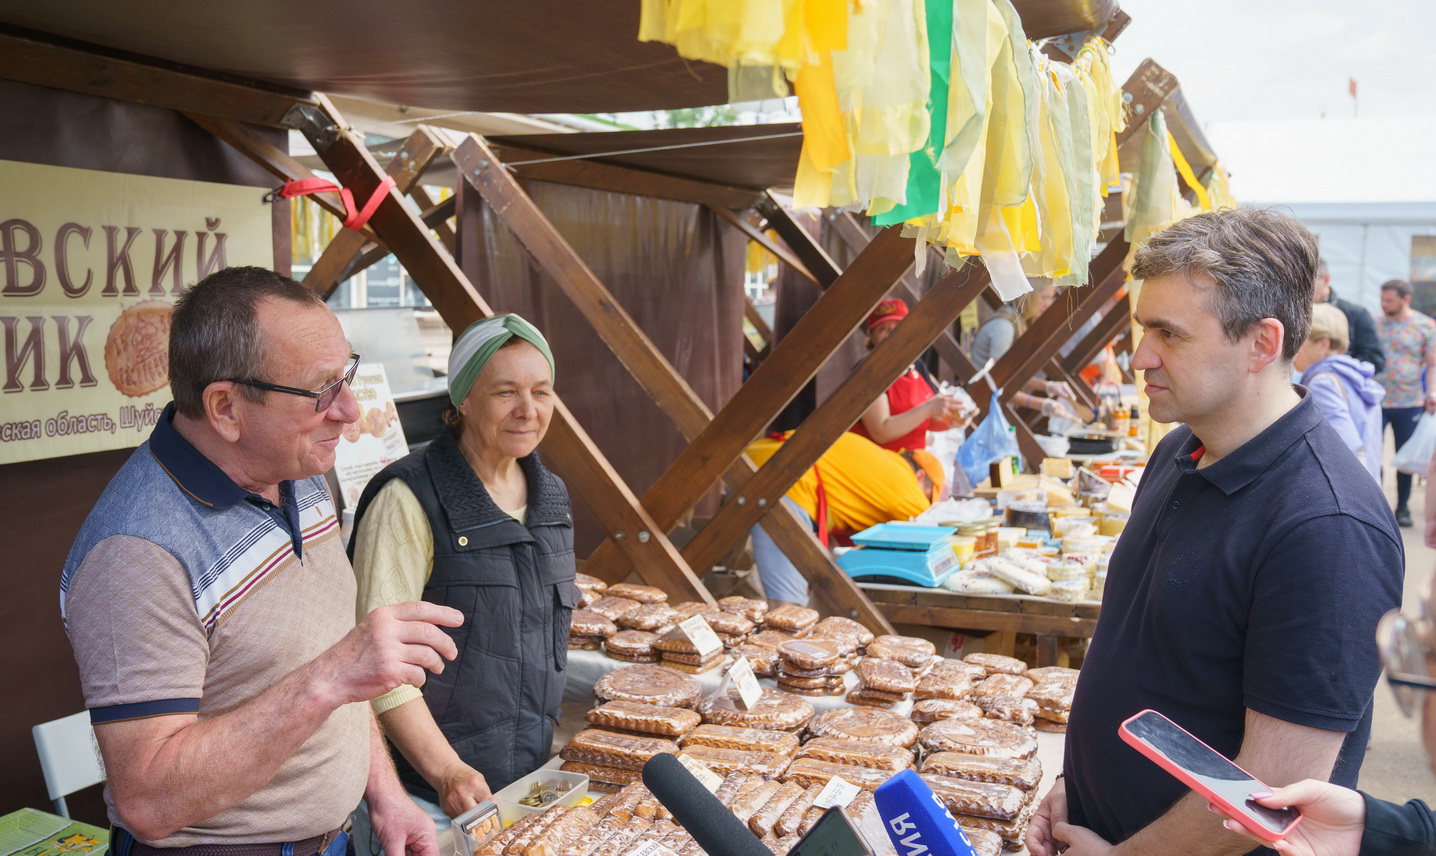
[586, 622]
[979, 737]
[1022, 774]
[933, 709]
[908, 650]
[856, 754]
[647, 718]
[642, 594]
[611, 607]
[650, 685]
[610, 749]
[791, 618]
[775, 709]
[879, 727]
[887, 676]
[977, 799]
[737, 737]
[844, 628]
[996, 663]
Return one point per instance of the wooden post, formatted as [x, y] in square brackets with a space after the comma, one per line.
[937, 309]
[405, 168]
[590, 475]
[755, 234]
[823, 269]
[794, 361]
[1108, 328]
[482, 169]
[1042, 339]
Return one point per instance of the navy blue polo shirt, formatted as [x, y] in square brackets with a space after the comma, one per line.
[1254, 583]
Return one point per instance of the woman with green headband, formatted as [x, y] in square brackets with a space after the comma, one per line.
[476, 522]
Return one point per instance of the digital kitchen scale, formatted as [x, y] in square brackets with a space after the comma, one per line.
[898, 553]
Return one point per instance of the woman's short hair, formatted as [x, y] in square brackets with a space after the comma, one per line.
[1262, 264]
[214, 332]
[1328, 322]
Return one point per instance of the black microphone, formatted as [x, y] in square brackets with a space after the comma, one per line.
[711, 824]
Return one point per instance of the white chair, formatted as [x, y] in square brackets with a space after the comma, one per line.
[69, 757]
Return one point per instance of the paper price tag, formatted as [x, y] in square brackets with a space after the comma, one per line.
[700, 771]
[652, 848]
[742, 675]
[701, 635]
[837, 792]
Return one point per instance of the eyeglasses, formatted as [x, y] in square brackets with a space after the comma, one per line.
[323, 398]
[1406, 653]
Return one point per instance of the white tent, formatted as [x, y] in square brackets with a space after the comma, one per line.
[1366, 187]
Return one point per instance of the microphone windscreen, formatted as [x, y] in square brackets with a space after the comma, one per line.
[710, 822]
[916, 820]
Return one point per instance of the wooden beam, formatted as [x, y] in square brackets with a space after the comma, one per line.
[948, 350]
[1022, 360]
[440, 224]
[372, 254]
[28, 58]
[755, 234]
[590, 476]
[274, 160]
[795, 360]
[1108, 328]
[829, 586]
[1148, 87]
[750, 312]
[482, 169]
[597, 175]
[968, 619]
[937, 309]
[824, 270]
[418, 152]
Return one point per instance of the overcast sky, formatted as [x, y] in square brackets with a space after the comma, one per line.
[1267, 80]
[1254, 60]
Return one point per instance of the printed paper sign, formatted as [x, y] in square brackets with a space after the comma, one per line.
[375, 441]
[700, 771]
[837, 792]
[748, 690]
[701, 635]
[90, 266]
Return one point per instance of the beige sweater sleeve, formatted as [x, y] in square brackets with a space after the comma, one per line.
[393, 558]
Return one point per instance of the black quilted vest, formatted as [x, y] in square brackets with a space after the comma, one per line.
[497, 703]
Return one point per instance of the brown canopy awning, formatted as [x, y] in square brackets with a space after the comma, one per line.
[536, 56]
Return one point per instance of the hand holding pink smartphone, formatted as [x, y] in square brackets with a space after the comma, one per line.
[1208, 772]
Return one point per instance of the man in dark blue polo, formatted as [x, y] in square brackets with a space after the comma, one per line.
[1243, 597]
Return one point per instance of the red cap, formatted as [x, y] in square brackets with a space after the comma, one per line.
[888, 309]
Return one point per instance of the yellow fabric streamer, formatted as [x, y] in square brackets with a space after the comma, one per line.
[1204, 200]
[1029, 147]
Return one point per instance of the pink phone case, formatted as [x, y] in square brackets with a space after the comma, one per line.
[1195, 784]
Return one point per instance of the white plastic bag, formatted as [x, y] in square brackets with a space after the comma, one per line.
[1415, 455]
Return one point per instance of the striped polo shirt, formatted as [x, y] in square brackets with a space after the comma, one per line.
[184, 593]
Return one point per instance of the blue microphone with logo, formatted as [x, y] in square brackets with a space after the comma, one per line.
[917, 822]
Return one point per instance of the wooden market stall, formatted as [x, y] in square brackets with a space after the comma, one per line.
[148, 88]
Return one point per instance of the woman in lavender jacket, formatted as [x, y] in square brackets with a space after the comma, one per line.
[1342, 387]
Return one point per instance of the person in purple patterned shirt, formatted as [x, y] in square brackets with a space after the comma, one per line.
[1408, 339]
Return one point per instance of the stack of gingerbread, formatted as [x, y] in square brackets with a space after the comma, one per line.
[864, 746]
[589, 630]
[985, 772]
[945, 692]
[1052, 694]
[642, 711]
[590, 588]
[678, 652]
[728, 749]
[812, 667]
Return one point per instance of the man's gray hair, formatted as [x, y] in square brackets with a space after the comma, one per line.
[1262, 264]
[214, 334]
